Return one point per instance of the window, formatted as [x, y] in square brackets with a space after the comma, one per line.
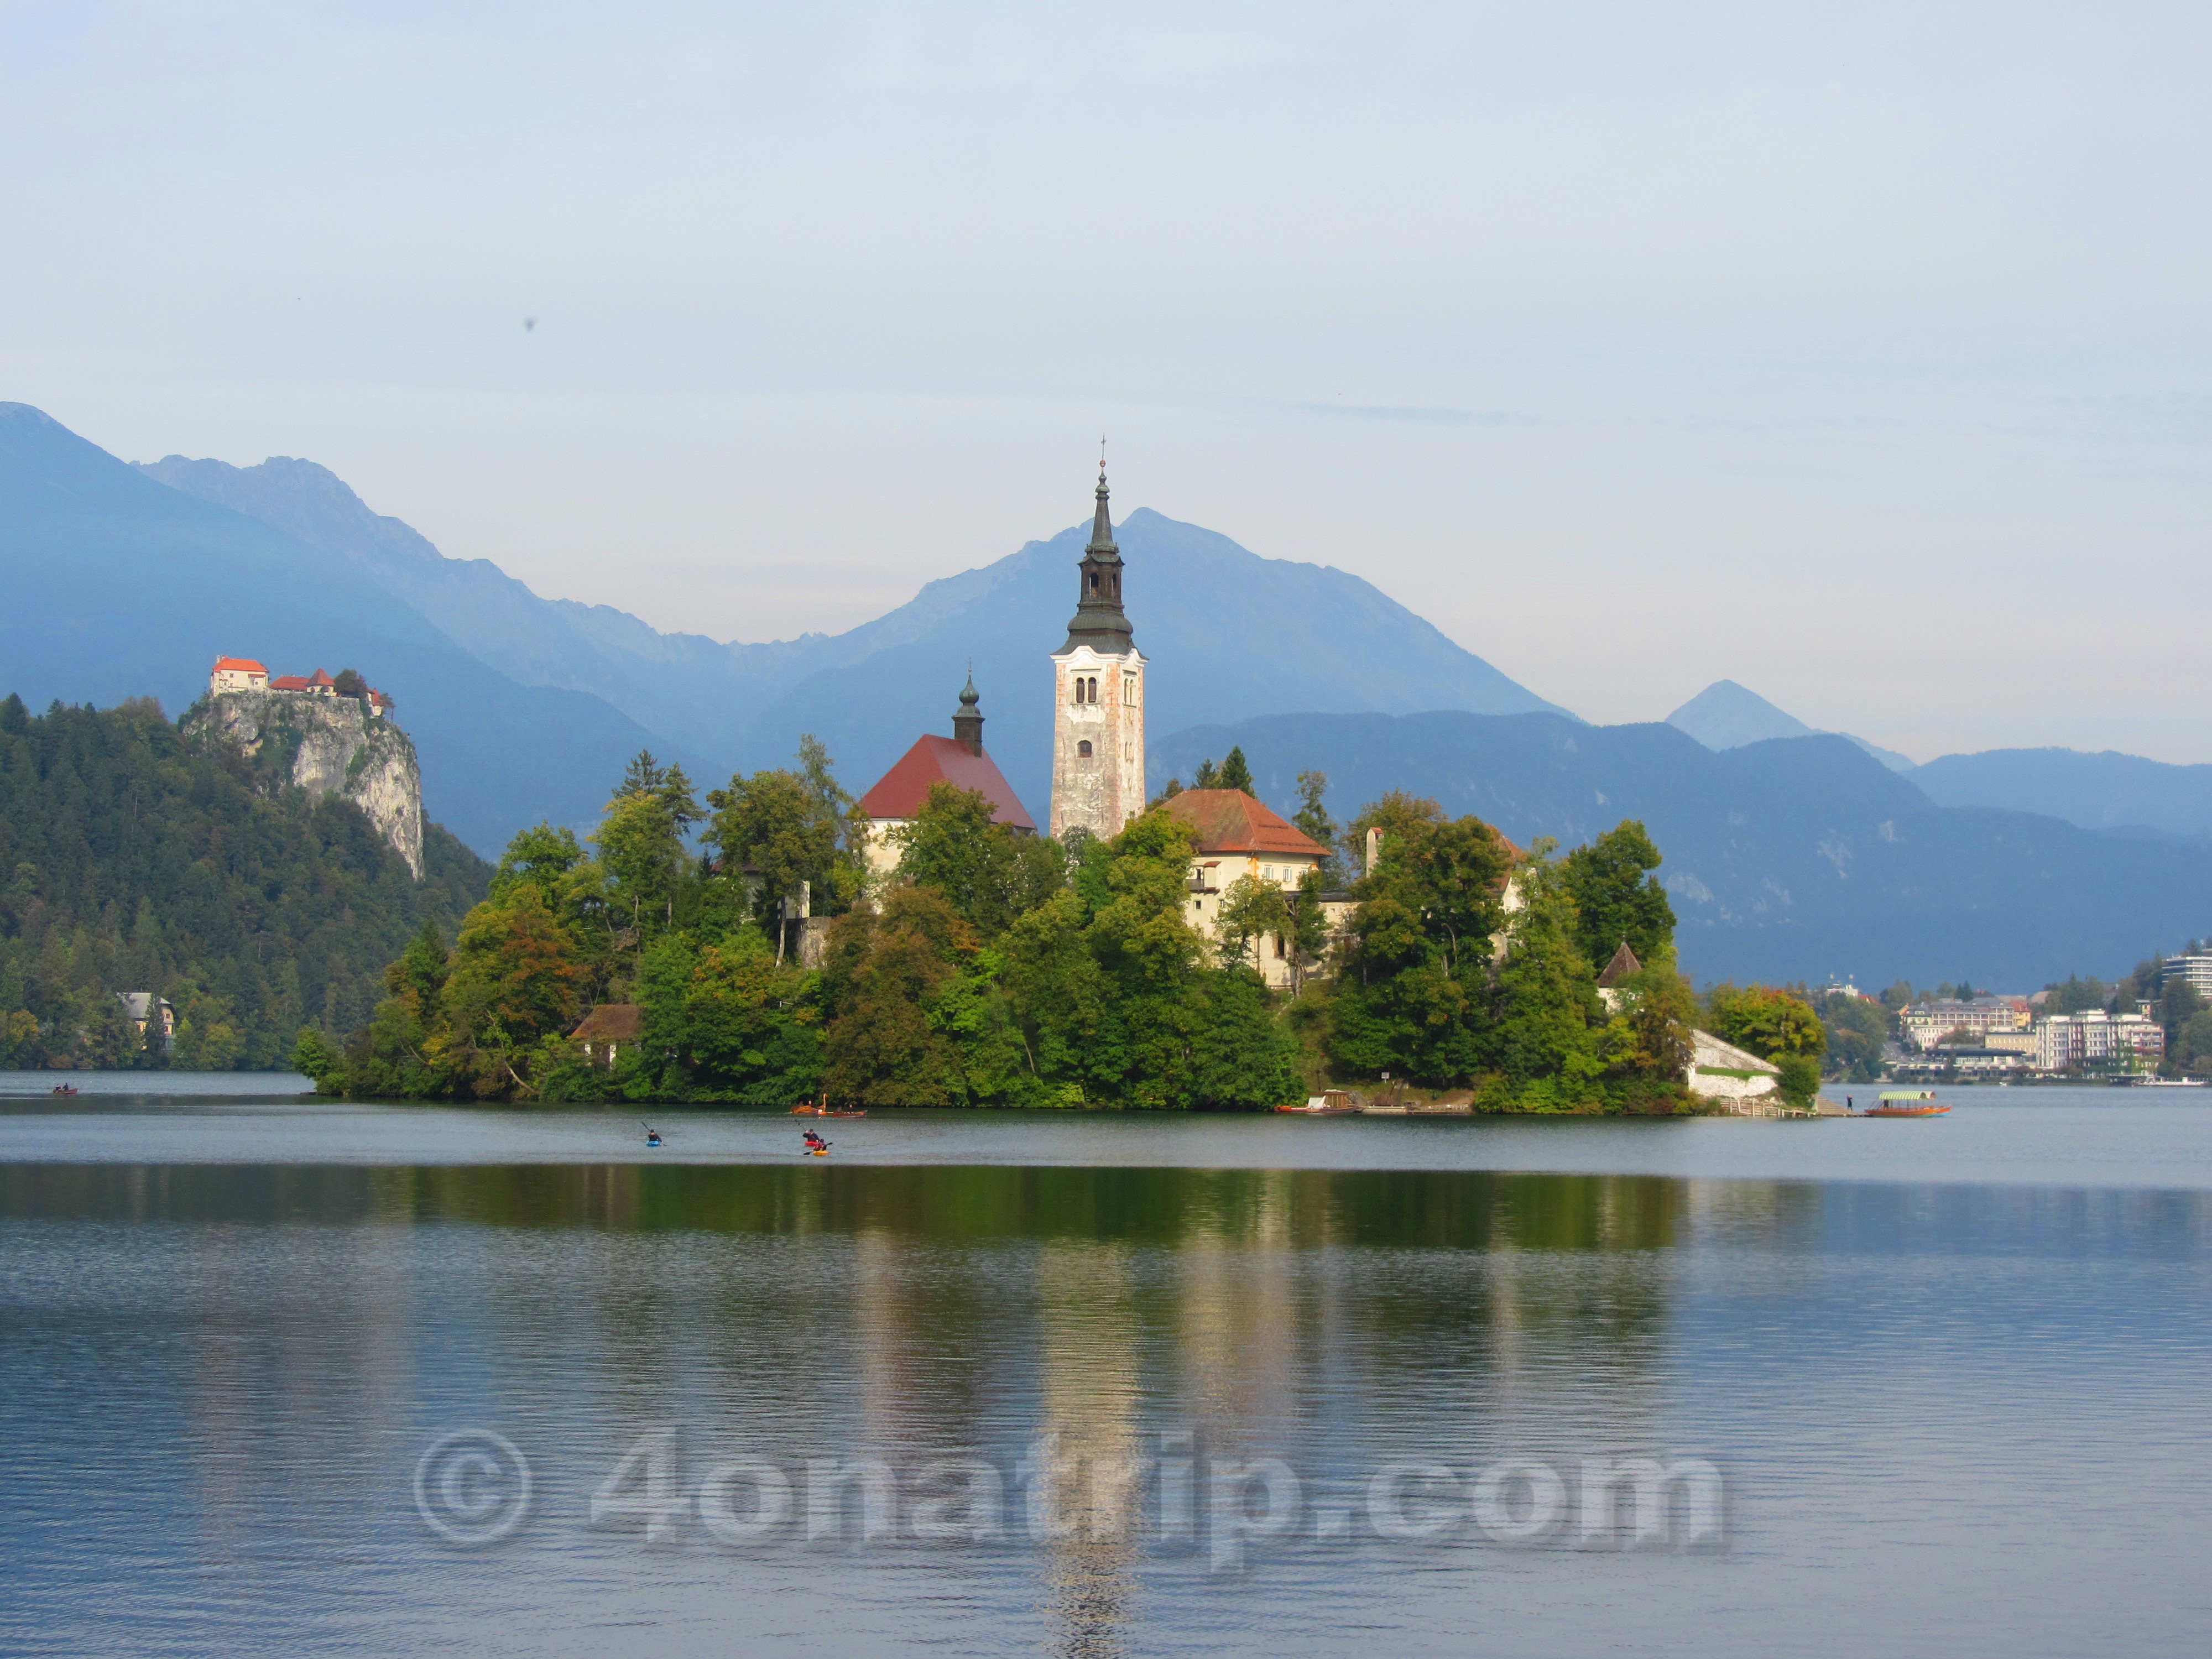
[1093, 693]
[1129, 687]
[1082, 749]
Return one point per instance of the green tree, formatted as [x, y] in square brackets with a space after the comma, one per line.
[1252, 912]
[783, 834]
[1856, 1031]
[1313, 822]
[1414, 995]
[1547, 1038]
[989, 873]
[1614, 900]
[314, 1056]
[1646, 1042]
[1206, 776]
[2192, 1050]
[888, 979]
[516, 978]
[1767, 1021]
[1236, 774]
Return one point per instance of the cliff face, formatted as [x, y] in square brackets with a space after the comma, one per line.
[329, 746]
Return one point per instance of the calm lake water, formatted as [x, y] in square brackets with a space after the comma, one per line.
[271, 1372]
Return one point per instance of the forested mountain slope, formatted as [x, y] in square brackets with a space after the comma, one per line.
[133, 858]
[120, 586]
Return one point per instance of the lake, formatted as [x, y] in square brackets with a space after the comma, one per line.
[279, 1375]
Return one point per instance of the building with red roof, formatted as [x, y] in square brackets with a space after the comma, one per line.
[1239, 838]
[958, 760]
[237, 674]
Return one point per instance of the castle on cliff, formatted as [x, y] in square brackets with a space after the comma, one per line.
[244, 674]
[332, 743]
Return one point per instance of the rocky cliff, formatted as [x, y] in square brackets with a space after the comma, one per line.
[328, 746]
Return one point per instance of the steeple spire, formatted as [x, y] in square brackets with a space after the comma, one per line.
[1099, 620]
[968, 719]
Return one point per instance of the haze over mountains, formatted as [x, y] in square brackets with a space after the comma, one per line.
[2105, 791]
[1230, 635]
[1791, 853]
[1790, 858]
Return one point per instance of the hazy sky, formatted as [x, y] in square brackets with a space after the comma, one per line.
[1859, 357]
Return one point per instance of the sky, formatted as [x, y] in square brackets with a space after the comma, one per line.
[1856, 353]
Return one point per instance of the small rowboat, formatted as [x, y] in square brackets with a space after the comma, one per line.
[1329, 1100]
[1907, 1103]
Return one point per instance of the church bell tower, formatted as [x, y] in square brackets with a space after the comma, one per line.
[1099, 690]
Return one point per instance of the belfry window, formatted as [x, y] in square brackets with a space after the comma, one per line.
[1082, 749]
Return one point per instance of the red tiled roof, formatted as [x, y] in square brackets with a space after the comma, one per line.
[318, 677]
[238, 666]
[288, 682]
[1624, 964]
[610, 1022]
[1230, 821]
[900, 791]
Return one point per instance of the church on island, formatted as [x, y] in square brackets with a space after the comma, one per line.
[1098, 766]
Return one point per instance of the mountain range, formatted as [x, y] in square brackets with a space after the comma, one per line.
[1788, 858]
[1791, 852]
[2106, 791]
[1219, 623]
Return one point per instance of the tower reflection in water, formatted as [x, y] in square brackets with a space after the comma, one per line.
[1072, 1321]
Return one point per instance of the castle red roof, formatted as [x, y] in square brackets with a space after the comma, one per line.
[1230, 821]
[238, 666]
[288, 682]
[318, 677]
[900, 792]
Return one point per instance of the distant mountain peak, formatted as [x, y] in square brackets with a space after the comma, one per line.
[1726, 715]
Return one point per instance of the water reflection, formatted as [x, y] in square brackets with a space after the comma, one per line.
[249, 1360]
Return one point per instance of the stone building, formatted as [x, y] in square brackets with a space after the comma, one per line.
[958, 760]
[237, 674]
[1237, 837]
[1098, 691]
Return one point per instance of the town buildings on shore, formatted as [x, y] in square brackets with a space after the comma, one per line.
[1999, 1036]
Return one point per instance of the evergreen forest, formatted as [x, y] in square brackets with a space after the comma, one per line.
[134, 859]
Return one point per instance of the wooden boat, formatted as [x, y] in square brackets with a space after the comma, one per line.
[1329, 1100]
[1906, 1102]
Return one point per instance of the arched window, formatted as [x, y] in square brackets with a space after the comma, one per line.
[1094, 690]
[1084, 749]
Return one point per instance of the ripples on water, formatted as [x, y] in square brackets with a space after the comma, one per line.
[1950, 1417]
